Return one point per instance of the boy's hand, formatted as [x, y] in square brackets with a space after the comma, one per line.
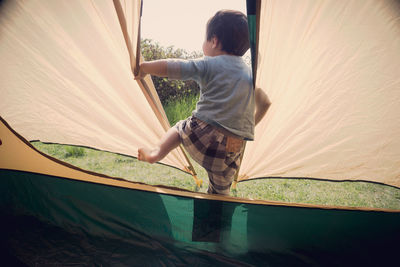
[141, 73]
[156, 68]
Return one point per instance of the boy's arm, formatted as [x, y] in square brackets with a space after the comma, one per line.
[156, 67]
[262, 105]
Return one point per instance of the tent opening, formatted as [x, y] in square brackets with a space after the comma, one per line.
[60, 88]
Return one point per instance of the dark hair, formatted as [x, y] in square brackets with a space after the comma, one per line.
[230, 28]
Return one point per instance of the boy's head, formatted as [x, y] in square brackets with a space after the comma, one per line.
[231, 30]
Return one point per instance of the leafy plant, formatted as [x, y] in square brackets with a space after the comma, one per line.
[74, 151]
[169, 90]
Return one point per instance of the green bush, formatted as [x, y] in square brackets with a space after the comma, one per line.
[74, 151]
[169, 90]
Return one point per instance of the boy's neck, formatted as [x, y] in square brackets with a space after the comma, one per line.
[219, 52]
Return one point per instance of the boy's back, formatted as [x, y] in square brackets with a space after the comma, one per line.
[226, 92]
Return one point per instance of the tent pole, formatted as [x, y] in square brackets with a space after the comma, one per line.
[191, 169]
[253, 18]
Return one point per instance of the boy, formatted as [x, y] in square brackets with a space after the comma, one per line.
[228, 107]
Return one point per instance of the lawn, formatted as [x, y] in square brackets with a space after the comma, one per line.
[351, 194]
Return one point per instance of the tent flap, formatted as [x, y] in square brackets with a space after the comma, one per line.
[68, 78]
[332, 72]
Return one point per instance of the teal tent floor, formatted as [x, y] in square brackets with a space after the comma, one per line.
[29, 242]
[52, 221]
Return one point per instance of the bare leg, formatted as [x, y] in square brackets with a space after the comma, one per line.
[169, 141]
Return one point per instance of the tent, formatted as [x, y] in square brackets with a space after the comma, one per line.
[331, 70]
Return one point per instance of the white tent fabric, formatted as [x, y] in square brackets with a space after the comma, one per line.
[331, 69]
[332, 72]
[66, 77]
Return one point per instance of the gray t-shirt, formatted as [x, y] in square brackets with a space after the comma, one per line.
[226, 91]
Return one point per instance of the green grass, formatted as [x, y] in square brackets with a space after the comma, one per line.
[180, 109]
[351, 194]
[116, 165]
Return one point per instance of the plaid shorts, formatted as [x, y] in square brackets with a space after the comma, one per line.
[218, 153]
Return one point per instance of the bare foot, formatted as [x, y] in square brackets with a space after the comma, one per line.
[148, 155]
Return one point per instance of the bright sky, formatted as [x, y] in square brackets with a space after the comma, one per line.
[182, 23]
